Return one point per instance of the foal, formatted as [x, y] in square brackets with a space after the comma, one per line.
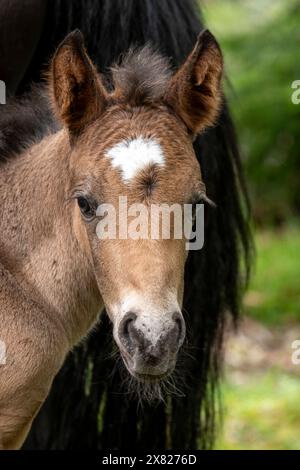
[56, 275]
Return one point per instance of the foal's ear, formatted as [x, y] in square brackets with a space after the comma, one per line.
[195, 90]
[78, 93]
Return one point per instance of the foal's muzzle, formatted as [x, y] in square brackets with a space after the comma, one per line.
[149, 344]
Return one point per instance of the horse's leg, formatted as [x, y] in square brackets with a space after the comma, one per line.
[21, 25]
[35, 349]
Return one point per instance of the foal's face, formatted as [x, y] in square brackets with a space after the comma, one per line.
[140, 280]
[138, 147]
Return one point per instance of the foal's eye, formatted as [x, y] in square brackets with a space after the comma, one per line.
[85, 208]
[202, 198]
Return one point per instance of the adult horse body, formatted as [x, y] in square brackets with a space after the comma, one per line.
[82, 396]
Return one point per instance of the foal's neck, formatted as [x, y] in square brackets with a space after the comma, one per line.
[41, 241]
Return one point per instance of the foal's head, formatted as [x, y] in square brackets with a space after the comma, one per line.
[134, 139]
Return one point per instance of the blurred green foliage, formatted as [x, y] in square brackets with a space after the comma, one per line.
[262, 413]
[274, 292]
[261, 44]
[262, 408]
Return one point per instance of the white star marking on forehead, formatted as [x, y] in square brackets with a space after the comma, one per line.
[134, 155]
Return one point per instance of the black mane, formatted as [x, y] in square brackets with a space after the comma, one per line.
[142, 75]
[24, 121]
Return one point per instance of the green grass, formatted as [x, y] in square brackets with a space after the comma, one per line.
[262, 413]
[274, 293]
[262, 407]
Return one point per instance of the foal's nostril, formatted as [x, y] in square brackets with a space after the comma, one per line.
[180, 326]
[125, 328]
[151, 342]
